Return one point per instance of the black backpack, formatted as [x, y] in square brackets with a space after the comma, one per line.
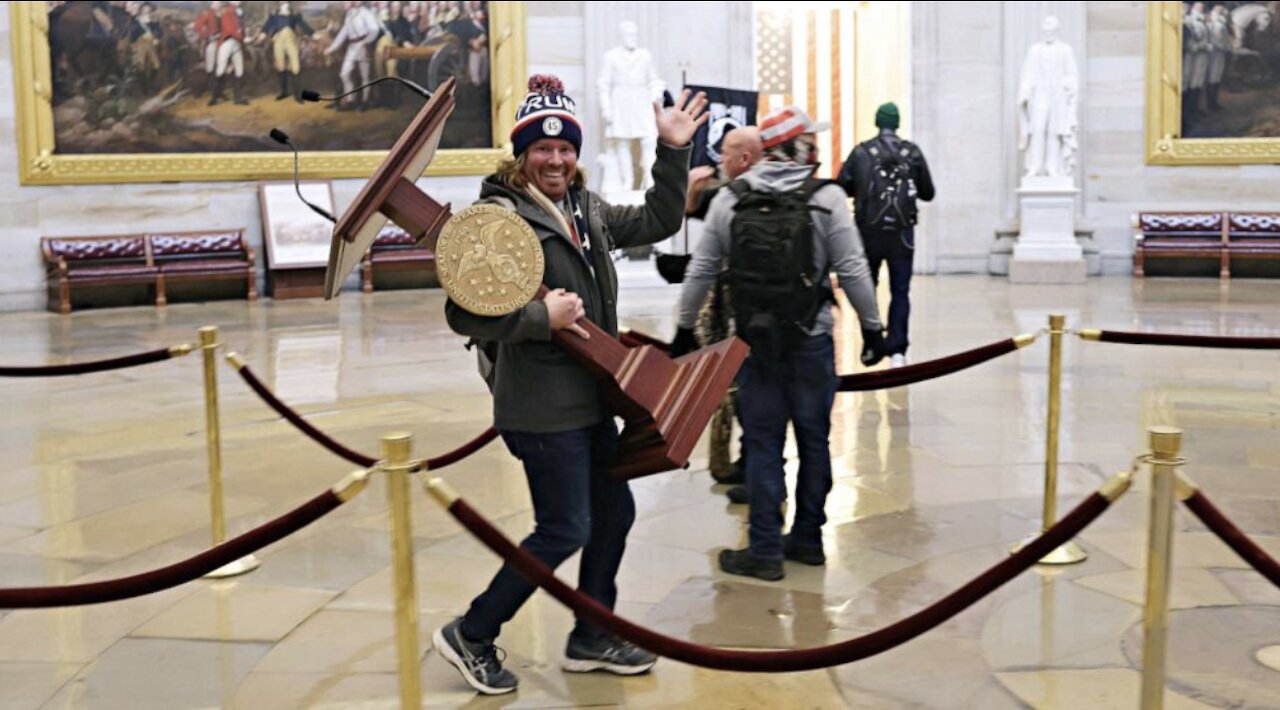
[890, 202]
[775, 288]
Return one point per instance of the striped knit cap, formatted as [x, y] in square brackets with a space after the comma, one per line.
[546, 112]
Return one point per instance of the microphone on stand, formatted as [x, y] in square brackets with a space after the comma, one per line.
[282, 138]
[311, 95]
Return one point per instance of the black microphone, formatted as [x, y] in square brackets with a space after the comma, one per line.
[311, 95]
[282, 138]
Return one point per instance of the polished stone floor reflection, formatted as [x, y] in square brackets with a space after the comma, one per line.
[105, 475]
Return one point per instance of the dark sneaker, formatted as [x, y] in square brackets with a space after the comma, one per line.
[745, 564]
[812, 555]
[478, 662]
[737, 474]
[607, 653]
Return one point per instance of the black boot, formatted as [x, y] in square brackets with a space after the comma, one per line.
[297, 95]
[239, 91]
[284, 86]
[217, 91]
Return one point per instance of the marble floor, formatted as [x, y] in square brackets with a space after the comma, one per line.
[105, 475]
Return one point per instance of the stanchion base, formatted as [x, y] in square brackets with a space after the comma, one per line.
[1069, 553]
[244, 565]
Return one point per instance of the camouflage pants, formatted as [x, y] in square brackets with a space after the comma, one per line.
[715, 323]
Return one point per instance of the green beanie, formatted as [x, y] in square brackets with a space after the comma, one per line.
[887, 116]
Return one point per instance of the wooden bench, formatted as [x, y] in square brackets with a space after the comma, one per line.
[1225, 237]
[395, 250]
[1180, 235]
[1253, 235]
[202, 256]
[94, 261]
[153, 260]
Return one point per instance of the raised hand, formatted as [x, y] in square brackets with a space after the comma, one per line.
[677, 125]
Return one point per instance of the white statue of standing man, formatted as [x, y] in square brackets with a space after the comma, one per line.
[628, 86]
[1047, 92]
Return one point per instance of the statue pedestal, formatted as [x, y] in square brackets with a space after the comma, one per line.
[1047, 251]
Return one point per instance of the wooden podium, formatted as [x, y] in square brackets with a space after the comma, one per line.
[666, 403]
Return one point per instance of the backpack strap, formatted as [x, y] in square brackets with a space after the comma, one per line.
[811, 186]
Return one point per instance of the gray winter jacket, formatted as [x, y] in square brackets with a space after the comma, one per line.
[537, 387]
[836, 246]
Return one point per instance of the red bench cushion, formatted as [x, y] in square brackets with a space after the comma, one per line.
[392, 236]
[1255, 225]
[98, 248]
[1181, 225]
[186, 245]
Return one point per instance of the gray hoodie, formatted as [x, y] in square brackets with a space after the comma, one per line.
[836, 245]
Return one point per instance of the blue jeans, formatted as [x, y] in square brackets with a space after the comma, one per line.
[893, 248]
[799, 389]
[576, 505]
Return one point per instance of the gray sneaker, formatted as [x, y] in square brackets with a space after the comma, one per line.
[478, 662]
[608, 653]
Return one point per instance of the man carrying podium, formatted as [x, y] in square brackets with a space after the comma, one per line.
[547, 406]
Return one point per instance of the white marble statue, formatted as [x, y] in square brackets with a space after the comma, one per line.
[628, 86]
[1047, 92]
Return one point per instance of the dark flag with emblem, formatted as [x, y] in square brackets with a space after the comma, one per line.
[727, 109]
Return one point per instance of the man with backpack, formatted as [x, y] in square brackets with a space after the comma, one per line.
[885, 176]
[781, 232]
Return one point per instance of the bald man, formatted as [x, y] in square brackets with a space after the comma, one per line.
[740, 150]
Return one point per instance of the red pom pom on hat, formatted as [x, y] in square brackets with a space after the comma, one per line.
[545, 84]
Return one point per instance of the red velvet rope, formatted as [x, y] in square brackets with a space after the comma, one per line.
[1227, 531]
[883, 379]
[1197, 341]
[328, 442]
[177, 573]
[899, 376]
[879, 641]
[305, 427]
[80, 368]
[463, 451]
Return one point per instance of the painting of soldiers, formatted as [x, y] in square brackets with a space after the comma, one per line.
[1230, 70]
[192, 77]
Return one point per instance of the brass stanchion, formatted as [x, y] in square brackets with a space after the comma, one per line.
[1069, 552]
[1165, 444]
[208, 346]
[396, 449]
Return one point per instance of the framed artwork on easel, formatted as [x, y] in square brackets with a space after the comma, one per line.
[295, 238]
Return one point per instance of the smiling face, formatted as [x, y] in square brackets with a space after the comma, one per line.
[550, 164]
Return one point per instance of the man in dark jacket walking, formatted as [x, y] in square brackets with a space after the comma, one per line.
[546, 406]
[886, 220]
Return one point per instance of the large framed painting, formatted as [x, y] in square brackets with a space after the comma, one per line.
[1213, 83]
[111, 92]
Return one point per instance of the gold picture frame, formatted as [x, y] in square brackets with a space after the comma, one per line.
[1164, 142]
[40, 164]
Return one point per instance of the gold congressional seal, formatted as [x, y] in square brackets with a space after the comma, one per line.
[489, 260]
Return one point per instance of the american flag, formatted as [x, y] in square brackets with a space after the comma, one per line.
[805, 58]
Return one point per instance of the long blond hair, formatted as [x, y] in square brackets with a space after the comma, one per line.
[511, 170]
